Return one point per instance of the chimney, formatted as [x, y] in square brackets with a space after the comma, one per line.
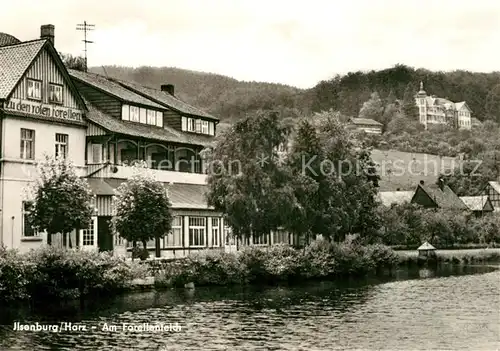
[168, 88]
[421, 182]
[47, 32]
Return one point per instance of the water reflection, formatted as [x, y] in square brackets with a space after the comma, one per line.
[391, 313]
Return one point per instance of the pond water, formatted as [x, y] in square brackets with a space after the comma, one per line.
[453, 308]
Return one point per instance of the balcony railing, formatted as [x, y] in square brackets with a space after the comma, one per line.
[124, 172]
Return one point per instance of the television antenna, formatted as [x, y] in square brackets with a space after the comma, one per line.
[86, 28]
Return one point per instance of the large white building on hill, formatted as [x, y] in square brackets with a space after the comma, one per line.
[434, 111]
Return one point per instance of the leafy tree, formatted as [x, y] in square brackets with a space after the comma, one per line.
[333, 180]
[409, 107]
[471, 177]
[246, 178]
[74, 62]
[493, 104]
[372, 108]
[61, 201]
[142, 209]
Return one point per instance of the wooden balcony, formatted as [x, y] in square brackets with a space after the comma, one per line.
[125, 172]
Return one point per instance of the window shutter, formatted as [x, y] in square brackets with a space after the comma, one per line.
[159, 119]
[184, 123]
[125, 113]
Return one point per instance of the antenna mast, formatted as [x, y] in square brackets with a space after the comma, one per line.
[86, 28]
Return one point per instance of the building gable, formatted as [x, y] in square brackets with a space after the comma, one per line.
[45, 69]
[423, 199]
[488, 206]
[58, 98]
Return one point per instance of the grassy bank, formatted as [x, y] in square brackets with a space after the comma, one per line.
[461, 256]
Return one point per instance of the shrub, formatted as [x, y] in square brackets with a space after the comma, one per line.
[284, 263]
[320, 260]
[14, 275]
[217, 268]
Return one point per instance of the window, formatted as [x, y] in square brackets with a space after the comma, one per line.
[126, 112]
[27, 144]
[151, 117]
[27, 229]
[211, 128]
[134, 114]
[142, 115]
[55, 93]
[61, 145]
[88, 235]
[184, 123]
[34, 89]
[174, 238]
[159, 119]
[204, 127]
[191, 125]
[96, 153]
[198, 126]
[216, 231]
[197, 231]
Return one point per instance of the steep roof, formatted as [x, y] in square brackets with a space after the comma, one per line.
[7, 39]
[113, 88]
[181, 195]
[14, 62]
[426, 246]
[165, 99]
[166, 133]
[445, 198]
[365, 121]
[394, 197]
[477, 203]
[495, 186]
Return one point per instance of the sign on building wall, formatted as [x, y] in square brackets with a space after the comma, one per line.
[43, 110]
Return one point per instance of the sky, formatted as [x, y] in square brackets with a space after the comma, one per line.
[292, 42]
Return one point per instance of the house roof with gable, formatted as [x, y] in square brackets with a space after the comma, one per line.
[395, 197]
[181, 195]
[445, 198]
[114, 89]
[165, 99]
[15, 61]
[17, 58]
[495, 186]
[165, 134]
[365, 121]
[477, 203]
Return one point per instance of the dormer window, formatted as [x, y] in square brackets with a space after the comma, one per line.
[34, 89]
[196, 125]
[142, 115]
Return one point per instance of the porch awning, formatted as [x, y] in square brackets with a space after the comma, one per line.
[181, 195]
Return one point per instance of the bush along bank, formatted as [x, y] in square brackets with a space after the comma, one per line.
[56, 273]
[472, 256]
[279, 263]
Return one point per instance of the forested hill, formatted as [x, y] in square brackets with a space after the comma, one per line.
[230, 99]
[222, 96]
[347, 93]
